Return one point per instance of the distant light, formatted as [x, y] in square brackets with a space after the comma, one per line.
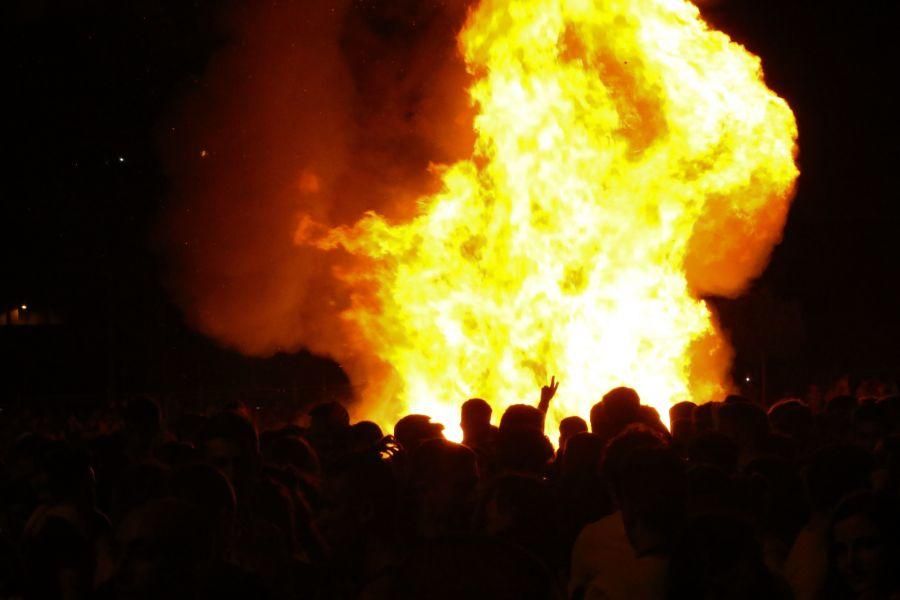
[747, 379]
[24, 307]
[121, 159]
[203, 153]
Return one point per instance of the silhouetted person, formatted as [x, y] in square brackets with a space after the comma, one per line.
[681, 419]
[413, 430]
[523, 450]
[364, 435]
[602, 557]
[834, 472]
[651, 490]
[142, 426]
[165, 552]
[868, 425]
[718, 557]
[294, 452]
[329, 425]
[710, 491]
[475, 421]
[568, 427]
[619, 408]
[230, 444]
[519, 508]
[746, 424]
[704, 417]
[441, 489]
[328, 417]
[207, 489]
[714, 449]
[774, 499]
[792, 418]
[864, 547]
[522, 416]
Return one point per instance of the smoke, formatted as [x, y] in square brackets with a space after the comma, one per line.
[320, 109]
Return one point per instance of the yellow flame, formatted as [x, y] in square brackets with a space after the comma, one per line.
[628, 160]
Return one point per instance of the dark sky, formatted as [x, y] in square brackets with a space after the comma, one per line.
[90, 82]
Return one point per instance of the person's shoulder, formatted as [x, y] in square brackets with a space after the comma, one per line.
[612, 522]
[600, 528]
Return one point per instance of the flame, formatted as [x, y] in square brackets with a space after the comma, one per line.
[629, 160]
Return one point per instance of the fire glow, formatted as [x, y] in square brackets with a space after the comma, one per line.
[628, 160]
[453, 198]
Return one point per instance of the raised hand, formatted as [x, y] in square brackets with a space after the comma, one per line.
[547, 394]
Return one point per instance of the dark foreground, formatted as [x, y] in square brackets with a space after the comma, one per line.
[737, 502]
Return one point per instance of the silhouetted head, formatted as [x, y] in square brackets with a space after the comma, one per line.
[366, 433]
[772, 491]
[521, 508]
[442, 481]
[791, 417]
[714, 449]
[475, 418]
[569, 427]
[359, 499]
[744, 422]
[649, 416]
[735, 398]
[273, 508]
[619, 408]
[515, 501]
[717, 556]
[142, 417]
[582, 456]
[614, 461]
[522, 416]
[652, 494]
[328, 417]
[705, 417]
[709, 491]
[412, 430]
[524, 450]
[294, 452]
[841, 405]
[681, 422]
[682, 410]
[868, 425]
[230, 444]
[165, 551]
[207, 489]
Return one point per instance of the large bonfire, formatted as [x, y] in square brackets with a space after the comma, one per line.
[629, 161]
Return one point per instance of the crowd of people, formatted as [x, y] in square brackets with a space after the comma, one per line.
[732, 500]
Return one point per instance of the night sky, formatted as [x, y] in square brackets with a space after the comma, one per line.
[92, 83]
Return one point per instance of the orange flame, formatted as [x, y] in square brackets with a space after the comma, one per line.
[628, 161]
